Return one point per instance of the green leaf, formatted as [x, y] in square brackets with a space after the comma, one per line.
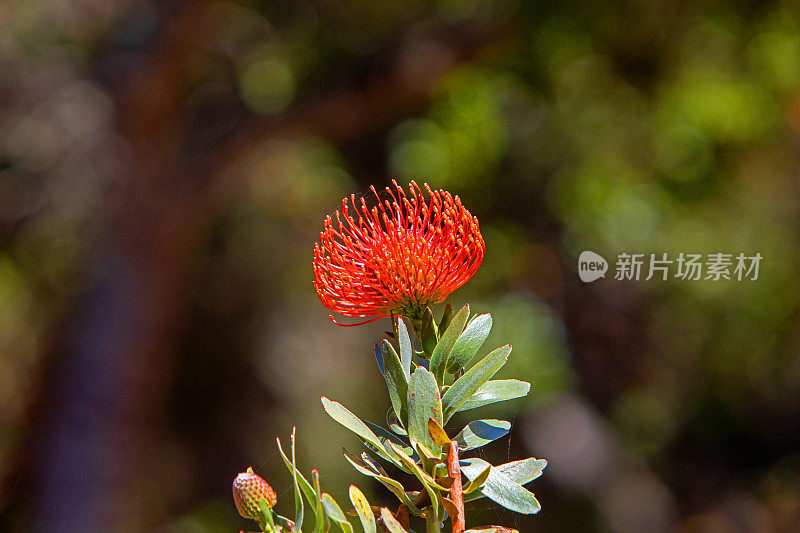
[423, 476]
[321, 524]
[391, 522]
[447, 316]
[298, 499]
[427, 459]
[423, 403]
[469, 342]
[496, 390]
[391, 455]
[406, 351]
[446, 343]
[266, 515]
[500, 488]
[305, 486]
[372, 464]
[385, 436]
[283, 523]
[378, 356]
[396, 382]
[363, 509]
[481, 432]
[339, 413]
[393, 423]
[394, 486]
[520, 472]
[335, 513]
[429, 333]
[342, 415]
[388, 455]
[398, 429]
[523, 471]
[465, 386]
[479, 480]
[433, 489]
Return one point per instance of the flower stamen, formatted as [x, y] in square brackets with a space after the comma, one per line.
[399, 256]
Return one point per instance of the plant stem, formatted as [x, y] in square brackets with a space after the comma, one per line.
[432, 523]
[456, 492]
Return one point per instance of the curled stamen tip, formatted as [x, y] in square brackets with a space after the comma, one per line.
[373, 319]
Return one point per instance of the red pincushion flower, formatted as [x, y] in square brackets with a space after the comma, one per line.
[398, 257]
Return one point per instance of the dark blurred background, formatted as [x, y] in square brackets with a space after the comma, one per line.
[164, 171]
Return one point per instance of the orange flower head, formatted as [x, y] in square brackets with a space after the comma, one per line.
[398, 257]
[248, 489]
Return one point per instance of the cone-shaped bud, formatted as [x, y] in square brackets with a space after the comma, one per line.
[248, 489]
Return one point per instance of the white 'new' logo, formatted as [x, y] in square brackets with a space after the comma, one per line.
[591, 266]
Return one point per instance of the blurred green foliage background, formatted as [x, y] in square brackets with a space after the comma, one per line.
[164, 171]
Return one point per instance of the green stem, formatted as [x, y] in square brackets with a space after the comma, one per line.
[432, 522]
